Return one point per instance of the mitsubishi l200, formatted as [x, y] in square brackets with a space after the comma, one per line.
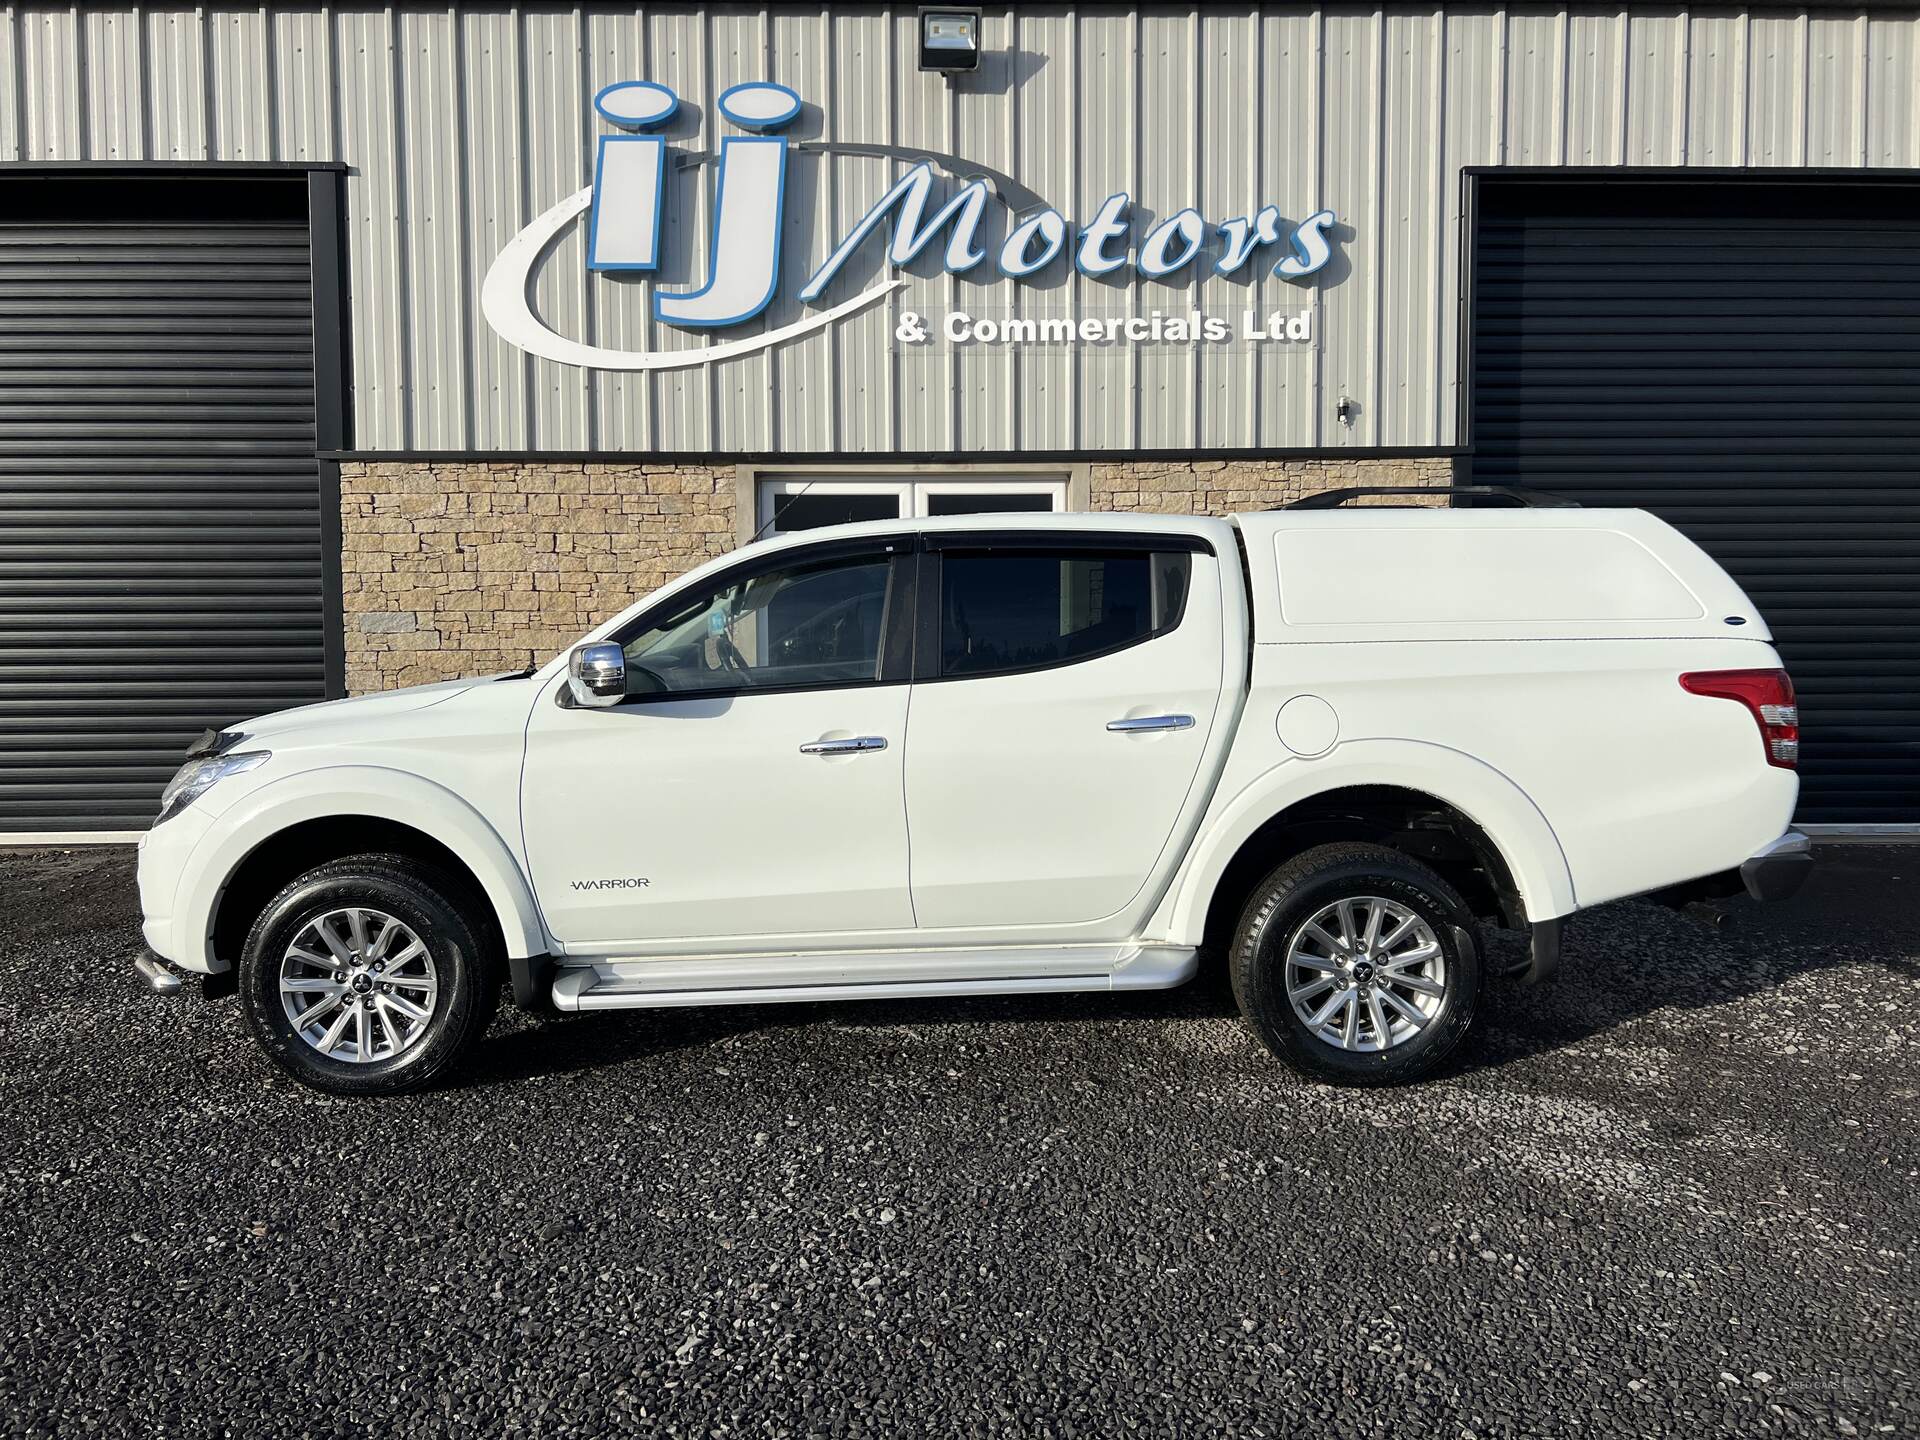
[1002, 754]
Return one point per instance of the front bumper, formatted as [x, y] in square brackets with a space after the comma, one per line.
[1777, 870]
[170, 930]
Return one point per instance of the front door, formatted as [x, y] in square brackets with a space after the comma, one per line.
[1065, 694]
[750, 785]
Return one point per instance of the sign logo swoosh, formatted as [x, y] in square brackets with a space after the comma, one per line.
[503, 300]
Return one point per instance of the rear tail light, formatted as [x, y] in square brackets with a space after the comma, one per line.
[1768, 695]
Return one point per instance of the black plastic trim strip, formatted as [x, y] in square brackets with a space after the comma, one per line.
[332, 398]
[886, 459]
[173, 167]
[1119, 541]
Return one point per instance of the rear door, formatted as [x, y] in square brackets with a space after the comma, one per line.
[1066, 691]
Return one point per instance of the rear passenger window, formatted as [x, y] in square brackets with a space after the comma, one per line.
[1018, 609]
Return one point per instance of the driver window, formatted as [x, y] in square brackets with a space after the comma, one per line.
[821, 623]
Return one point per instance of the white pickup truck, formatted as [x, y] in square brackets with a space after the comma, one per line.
[1008, 754]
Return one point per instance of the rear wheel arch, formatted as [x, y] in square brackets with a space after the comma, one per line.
[1437, 806]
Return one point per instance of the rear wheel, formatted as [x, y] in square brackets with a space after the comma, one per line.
[369, 976]
[1357, 965]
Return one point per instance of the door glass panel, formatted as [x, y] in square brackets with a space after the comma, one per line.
[977, 502]
[810, 511]
[807, 624]
[1020, 610]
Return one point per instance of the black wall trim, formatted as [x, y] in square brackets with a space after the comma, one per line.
[333, 387]
[333, 400]
[1699, 174]
[173, 167]
[881, 458]
[333, 623]
[1109, 7]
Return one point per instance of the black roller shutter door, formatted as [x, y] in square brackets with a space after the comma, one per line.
[160, 523]
[1742, 358]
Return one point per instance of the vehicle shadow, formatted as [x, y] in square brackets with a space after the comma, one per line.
[1624, 961]
[527, 1047]
[1620, 962]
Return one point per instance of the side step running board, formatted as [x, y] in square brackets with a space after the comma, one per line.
[156, 977]
[869, 975]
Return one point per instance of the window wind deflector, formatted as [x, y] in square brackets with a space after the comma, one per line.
[1110, 541]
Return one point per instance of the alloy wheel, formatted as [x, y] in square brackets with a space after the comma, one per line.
[1365, 973]
[358, 985]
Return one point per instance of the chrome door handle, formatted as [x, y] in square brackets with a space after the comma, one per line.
[1151, 722]
[844, 747]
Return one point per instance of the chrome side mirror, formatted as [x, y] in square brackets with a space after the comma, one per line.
[597, 675]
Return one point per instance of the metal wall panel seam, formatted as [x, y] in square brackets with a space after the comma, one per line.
[1745, 91]
[1379, 199]
[1863, 88]
[1076, 156]
[1799, 128]
[1014, 372]
[1316, 410]
[16, 116]
[586, 122]
[81, 109]
[464, 251]
[1196, 408]
[1626, 89]
[1136, 68]
[1683, 84]
[523, 184]
[1440, 204]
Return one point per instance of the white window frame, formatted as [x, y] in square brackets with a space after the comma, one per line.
[913, 490]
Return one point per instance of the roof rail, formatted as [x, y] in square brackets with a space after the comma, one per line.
[1531, 499]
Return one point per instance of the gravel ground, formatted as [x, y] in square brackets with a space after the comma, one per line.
[1672, 1193]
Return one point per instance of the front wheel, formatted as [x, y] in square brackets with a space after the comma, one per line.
[369, 976]
[1357, 965]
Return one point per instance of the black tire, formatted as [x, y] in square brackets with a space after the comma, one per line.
[450, 922]
[1286, 900]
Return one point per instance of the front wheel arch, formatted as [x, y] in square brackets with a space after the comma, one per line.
[309, 844]
[345, 797]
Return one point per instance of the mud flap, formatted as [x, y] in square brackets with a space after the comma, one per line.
[1544, 957]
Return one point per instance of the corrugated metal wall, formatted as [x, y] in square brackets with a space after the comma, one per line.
[461, 123]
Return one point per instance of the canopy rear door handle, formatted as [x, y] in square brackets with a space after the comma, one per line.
[1147, 723]
[855, 746]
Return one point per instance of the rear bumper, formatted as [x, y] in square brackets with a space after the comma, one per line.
[1777, 870]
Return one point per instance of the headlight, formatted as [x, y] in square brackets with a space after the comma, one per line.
[196, 777]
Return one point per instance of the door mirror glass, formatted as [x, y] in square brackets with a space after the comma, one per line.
[597, 675]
